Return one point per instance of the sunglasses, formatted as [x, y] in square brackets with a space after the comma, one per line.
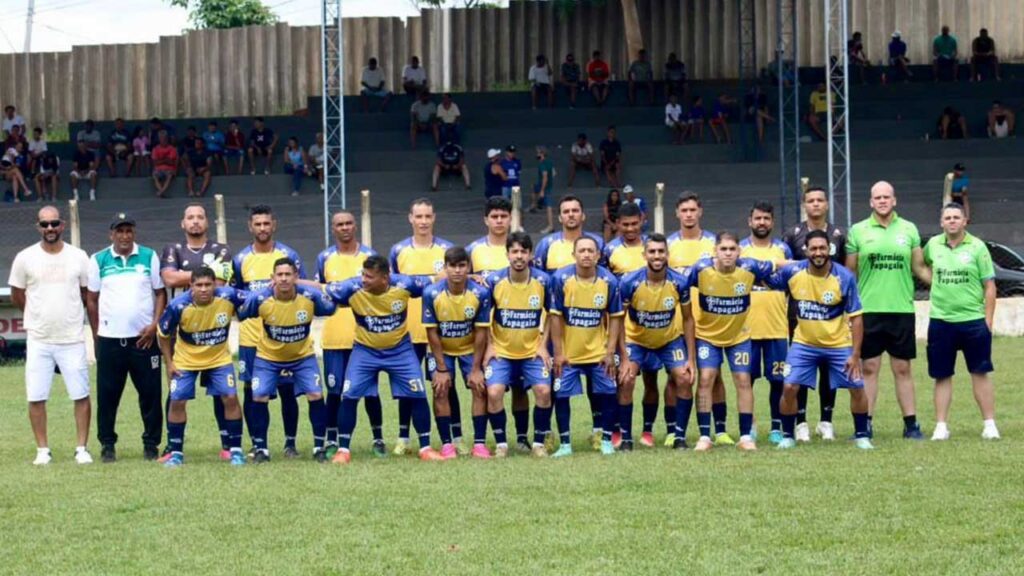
[44, 224]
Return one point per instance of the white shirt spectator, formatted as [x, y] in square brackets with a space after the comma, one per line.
[448, 115]
[372, 78]
[673, 113]
[37, 147]
[585, 152]
[417, 76]
[125, 286]
[16, 121]
[540, 74]
[53, 284]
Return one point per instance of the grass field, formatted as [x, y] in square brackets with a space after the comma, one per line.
[905, 508]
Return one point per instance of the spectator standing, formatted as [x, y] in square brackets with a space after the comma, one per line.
[423, 118]
[611, 158]
[449, 116]
[952, 125]
[570, 76]
[92, 139]
[540, 77]
[983, 55]
[140, 150]
[610, 214]
[48, 173]
[234, 145]
[898, 56]
[855, 51]
[119, 148]
[958, 194]
[262, 142]
[48, 284]
[450, 160]
[214, 140]
[414, 78]
[198, 163]
[316, 159]
[543, 188]
[513, 169]
[295, 162]
[372, 82]
[1001, 121]
[641, 76]
[944, 53]
[494, 175]
[12, 119]
[84, 165]
[675, 77]
[674, 119]
[126, 297]
[165, 164]
[37, 147]
[598, 76]
[582, 156]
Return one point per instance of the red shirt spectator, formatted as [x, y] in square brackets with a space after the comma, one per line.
[234, 139]
[598, 71]
[165, 158]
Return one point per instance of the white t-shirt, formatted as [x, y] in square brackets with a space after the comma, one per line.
[36, 147]
[582, 152]
[53, 292]
[16, 121]
[373, 78]
[448, 115]
[416, 75]
[673, 112]
[540, 74]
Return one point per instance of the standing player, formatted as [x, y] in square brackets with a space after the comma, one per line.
[685, 247]
[769, 325]
[517, 355]
[816, 208]
[193, 336]
[286, 310]
[884, 252]
[651, 297]
[252, 271]
[381, 303]
[456, 314]
[586, 323]
[828, 333]
[421, 254]
[337, 263]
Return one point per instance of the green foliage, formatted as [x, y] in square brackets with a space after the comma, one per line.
[226, 13]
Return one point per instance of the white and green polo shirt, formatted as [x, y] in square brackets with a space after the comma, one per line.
[958, 278]
[885, 279]
[125, 285]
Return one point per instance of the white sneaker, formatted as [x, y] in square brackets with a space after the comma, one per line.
[826, 431]
[803, 432]
[990, 433]
[92, 195]
[82, 456]
[74, 193]
[941, 432]
[43, 457]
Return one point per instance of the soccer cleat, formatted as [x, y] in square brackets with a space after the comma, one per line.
[331, 450]
[563, 451]
[501, 451]
[237, 458]
[913, 433]
[826, 431]
[775, 437]
[941, 431]
[461, 448]
[616, 439]
[43, 457]
[92, 195]
[647, 439]
[150, 453]
[291, 452]
[626, 446]
[990, 432]
[448, 452]
[595, 439]
[108, 455]
[670, 440]
[786, 444]
[803, 432]
[320, 456]
[380, 450]
[680, 444]
[225, 455]
[401, 447]
[430, 455]
[607, 447]
[538, 451]
[864, 444]
[176, 460]
[82, 456]
[704, 444]
[342, 457]
[746, 444]
[753, 431]
[522, 446]
[261, 457]
[549, 442]
[165, 455]
[724, 439]
[480, 452]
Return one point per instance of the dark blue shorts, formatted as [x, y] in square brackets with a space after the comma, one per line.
[669, 356]
[945, 339]
[268, 375]
[524, 373]
[803, 362]
[464, 363]
[768, 359]
[335, 362]
[246, 361]
[571, 382]
[711, 356]
[399, 363]
[219, 381]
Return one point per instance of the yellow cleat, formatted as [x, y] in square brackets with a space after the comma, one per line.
[724, 439]
[401, 448]
[670, 440]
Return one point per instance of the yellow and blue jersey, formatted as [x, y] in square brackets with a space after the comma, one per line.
[621, 258]
[334, 266]
[408, 260]
[517, 318]
[381, 319]
[823, 304]
[683, 253]
[652, 311]
[767, 320]
[455, 316]
[554, 252]
[200, 332]
[484, 257]
[724, 298]
[583, 306]
[286, 323]
[252, 272]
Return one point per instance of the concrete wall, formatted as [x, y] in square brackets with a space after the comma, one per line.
[274, 69]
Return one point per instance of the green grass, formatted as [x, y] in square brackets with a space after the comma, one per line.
[905, 508]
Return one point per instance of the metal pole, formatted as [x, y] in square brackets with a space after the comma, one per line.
[333, 109]
[28, 26]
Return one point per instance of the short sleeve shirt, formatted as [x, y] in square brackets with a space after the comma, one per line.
[571, 72]
[819, 102]
[92, 139]
[641, 71]
[83, 160]
[125, 285]
[944, 46]
[584, 152]
[165, 157]
[119, 138]
[53, 300]
[610, 150]
[450, 154]
[415, 75]
[540, 74]
[180, 257]
[958, 278]
[984, 45]
[885, 280]
[36, 146]
[198, 158]
[673, 113]
[373, 78]
[675, 71]
[261, 138]
[448, 115]
[598, 71]
[423, 112]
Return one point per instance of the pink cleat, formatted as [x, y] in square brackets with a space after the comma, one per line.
[225, 455]
[480, 451]
[448, 452]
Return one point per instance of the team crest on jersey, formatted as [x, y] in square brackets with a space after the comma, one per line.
[534, 301]
[786, 369]
[965, 258]
[330, 381]
[431, 364]
[208, 258]
[438, 265]
[396, 306]
[740, 288]
[599, 300]
[828, 297]
[222, 319]
[901, 240]
[302, 316]
[469, 311]
[704, 352]
[669, 303]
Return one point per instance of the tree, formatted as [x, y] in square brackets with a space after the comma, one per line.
[226, 13]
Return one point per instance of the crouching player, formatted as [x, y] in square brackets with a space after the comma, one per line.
[456, 314]
[287, 312]
[193, 334]
[652, 296]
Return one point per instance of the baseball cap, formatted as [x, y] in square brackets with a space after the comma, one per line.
[959, 167]
[627, 189]
[493, 153]
[121, 218]
[896, 34]
[511, 148]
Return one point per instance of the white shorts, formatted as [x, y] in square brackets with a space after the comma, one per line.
[40, 360]
[83, 174]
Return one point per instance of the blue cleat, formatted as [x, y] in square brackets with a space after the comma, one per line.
[237, 458]
[786, 444]
[607, 447]
[913, 433]
[563, 451]
[775, 437]
[175, 460]
[864, 444]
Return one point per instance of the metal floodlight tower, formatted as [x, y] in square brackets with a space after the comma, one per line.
[837, 66]
[787, 70]
[747, 60]
[333, 112]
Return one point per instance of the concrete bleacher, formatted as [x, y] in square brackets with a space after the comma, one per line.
[888, 124]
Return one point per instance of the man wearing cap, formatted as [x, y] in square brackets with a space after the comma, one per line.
[632, 198]
[582, 157]
[898, 56]
[513, 167]
[125, 299]
[494, 174]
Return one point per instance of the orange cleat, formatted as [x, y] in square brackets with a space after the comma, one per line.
[342, 457]
[703, 445]
[745, 445]
[647, 439]
[429, 454]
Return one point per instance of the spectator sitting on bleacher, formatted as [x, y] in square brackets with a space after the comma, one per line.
[855, 50]
[450, 160]
[423, 118]
[93, 140]
[11, 165]
[140, 151]
[674, 119]
[36, 148]
[198, 162]
[952, 125]
[675, 77]
[315, 153]
[598, 75]
[234, 145]
[262, 142]
[119, 147]
[540, 78]
[582, 156]
[13, 137]
[48, 172]
[569, 77]
[12, 119]
[944, 52]
[156, 126]
[165, 164]
[610, 214]
[983, 55]
[755, 104]
[187, 144]
[295, 162]
[611, 158]
[958, 193]
[372, 82]
[414, 77]
[449, 116]
[695, 118]
[494, 175]
[84, 165]
[1001, 121]
[641, 76]
[214, 140]
[817, 114]
[720, 117]
[898, 56]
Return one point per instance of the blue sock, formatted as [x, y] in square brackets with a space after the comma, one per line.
[669, 412]
[541, 424]
[746, 421]
[175, 436]
[626, 421]
[479, 429]
[774, 397]
[218, 413]
[259, 424]
[289, 413]
[720, 412]
[861, 425]
[871, 426]
[610, 415]
[563, 416]
[788, 425]
[444, 428]
[650, 413]
[456, 416]
[704, 423]
[521, 419]
[421, 420]
[247, 403]
[684, 406]
[347, 414]
[498, 422]
[375, 413]
[318, 421]
[333, 404]
[404, 417]
[234, 429]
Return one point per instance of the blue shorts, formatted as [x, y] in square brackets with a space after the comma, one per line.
[524, 373]
[246, 361]
[400, 364]
[802, 364]
[268, 375]
[219, 381]
[945, 339]
[233, 153]
[768, 359]
[571, 382]
[464, 362]
[669, 356]
[542, 201]
[710, 356]
[335, 362]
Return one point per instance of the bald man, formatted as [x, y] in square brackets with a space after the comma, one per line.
[884, 251]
